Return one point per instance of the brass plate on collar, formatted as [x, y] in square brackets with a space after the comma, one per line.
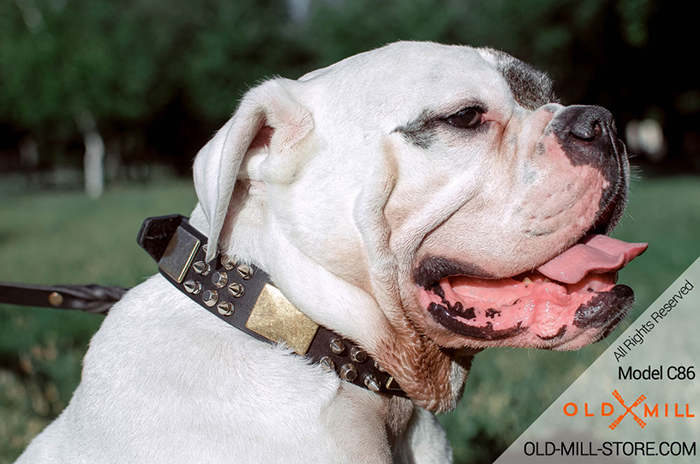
[275, 318]
[178, 256]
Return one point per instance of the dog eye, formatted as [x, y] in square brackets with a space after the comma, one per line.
[468, 118]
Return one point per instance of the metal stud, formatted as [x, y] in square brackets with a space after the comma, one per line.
[392, 384]
[327, 364]
[236, 290]
[192, 286]
[210, 297]
[337, 345]
[55, 299]
[227, 262]
[225, 308]
[379, 368]
[372, 383]
[357, 355]
[220, 279]
[200, 267]
[245, 271]
[348, 372]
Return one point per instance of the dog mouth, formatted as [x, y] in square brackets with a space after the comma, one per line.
[573, 292]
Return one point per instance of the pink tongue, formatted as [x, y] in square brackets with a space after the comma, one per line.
[593, 254]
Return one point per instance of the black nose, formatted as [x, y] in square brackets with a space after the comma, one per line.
[588, 135]
[589, 123]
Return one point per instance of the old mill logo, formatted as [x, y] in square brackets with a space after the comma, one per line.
[639, 401]
[648, 411]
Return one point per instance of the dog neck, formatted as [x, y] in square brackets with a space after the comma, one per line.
[243, 296]
[429, 375]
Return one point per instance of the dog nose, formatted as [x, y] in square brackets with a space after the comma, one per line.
[588, 135]
[588, 123]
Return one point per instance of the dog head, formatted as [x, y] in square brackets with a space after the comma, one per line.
[426, 201]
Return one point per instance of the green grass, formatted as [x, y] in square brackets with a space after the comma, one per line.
[51, 238]
[66, 238]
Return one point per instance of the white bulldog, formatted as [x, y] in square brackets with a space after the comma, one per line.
[425, 201]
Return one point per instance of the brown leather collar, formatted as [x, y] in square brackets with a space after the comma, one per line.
[243, 296]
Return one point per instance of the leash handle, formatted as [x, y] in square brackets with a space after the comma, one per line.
[95, 299]
[155, 233]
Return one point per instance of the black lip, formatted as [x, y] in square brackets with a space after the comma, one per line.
[446, 315]
[432, 269]
[605, 311]
[447, 318]
[605, 307]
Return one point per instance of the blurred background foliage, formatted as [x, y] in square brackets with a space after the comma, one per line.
[158, 77]
[148, 81]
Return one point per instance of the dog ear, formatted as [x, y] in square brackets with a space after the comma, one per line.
[267, 111]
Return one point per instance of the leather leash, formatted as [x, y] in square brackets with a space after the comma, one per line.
[240, 294]
[94, 299]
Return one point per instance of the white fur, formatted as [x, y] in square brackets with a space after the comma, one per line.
[164, 381]
[335, 205]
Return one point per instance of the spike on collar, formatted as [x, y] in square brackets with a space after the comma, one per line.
[243, 296]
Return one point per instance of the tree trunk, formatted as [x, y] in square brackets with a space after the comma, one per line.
[28, 153]
[93, 162]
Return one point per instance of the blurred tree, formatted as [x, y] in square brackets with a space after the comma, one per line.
[107, 70]
[337, 29]
[542, 32]
[236, 44]
[621, 54]
[161, 76]
[74, 65]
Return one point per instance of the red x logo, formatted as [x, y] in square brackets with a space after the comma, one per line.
[628, 410]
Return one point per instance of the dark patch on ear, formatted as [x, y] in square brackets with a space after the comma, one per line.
[531, 88]
[421, 131]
